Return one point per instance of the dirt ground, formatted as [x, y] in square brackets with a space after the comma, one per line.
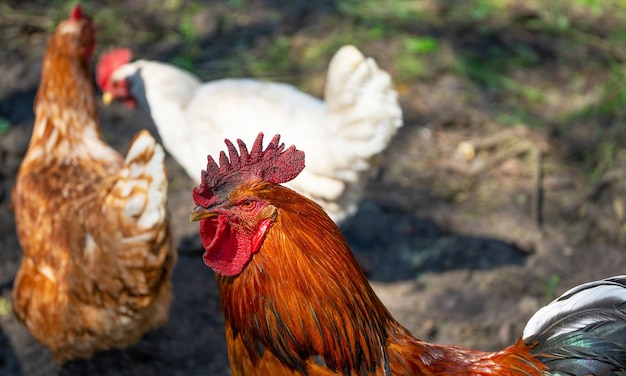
[462, 251]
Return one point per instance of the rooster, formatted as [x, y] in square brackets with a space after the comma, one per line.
[343, 135]
[296, 302]
[98, 252]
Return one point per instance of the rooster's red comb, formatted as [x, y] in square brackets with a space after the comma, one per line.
[274, 165]
[109, 62]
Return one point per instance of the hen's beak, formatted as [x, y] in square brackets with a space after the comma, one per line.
[107, 98]
[200, 212]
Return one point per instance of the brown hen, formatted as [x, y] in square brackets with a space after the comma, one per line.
[98, 253]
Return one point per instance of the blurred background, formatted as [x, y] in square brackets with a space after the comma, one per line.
[504, 188]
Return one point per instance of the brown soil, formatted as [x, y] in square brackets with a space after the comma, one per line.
[456, 248]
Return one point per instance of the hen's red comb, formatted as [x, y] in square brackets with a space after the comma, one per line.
[87, 29]
[109, 62]
[274, 165]
[77, 12]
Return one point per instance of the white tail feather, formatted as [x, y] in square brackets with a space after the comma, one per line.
[592, 296]
[361, 98]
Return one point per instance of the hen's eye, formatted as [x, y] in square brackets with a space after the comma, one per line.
[247, 204]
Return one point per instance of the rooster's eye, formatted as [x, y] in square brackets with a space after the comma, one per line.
[247, 204]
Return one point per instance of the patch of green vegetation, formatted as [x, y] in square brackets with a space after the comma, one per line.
[411, 62]
[551, 288]
[173, 5]
[596, 6]
[484, 286]
[521, 199]
[518, 115]
[606, 117]
[185, 62]
[313, 53]
[109, 26]
[492, 68]
[57, 10]
[421, 45]
[274, 59]
[409, 67]
[5, 125]
[483, 9]
[486, 13]
[377, 30]
[237, 4]
[6, 309]
[612, 100]
[278, 58]
[608, 154]
[188, 30]
[492, 65]
[402, 11]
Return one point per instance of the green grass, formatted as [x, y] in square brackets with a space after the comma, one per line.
[612, 98]
[551, 287]
[5, 126]
[278, 58]
[489, 46]
[389, 11]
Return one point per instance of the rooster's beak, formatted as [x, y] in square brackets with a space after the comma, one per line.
[200, 212]
[107, 98]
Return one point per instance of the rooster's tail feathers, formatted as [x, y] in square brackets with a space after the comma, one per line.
[583, 332]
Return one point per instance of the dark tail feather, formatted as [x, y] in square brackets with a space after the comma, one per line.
[583, 332]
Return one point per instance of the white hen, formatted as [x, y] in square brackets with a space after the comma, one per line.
[341, 136]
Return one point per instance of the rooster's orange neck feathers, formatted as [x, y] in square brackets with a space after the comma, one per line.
[274, 304]
[304, 299]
